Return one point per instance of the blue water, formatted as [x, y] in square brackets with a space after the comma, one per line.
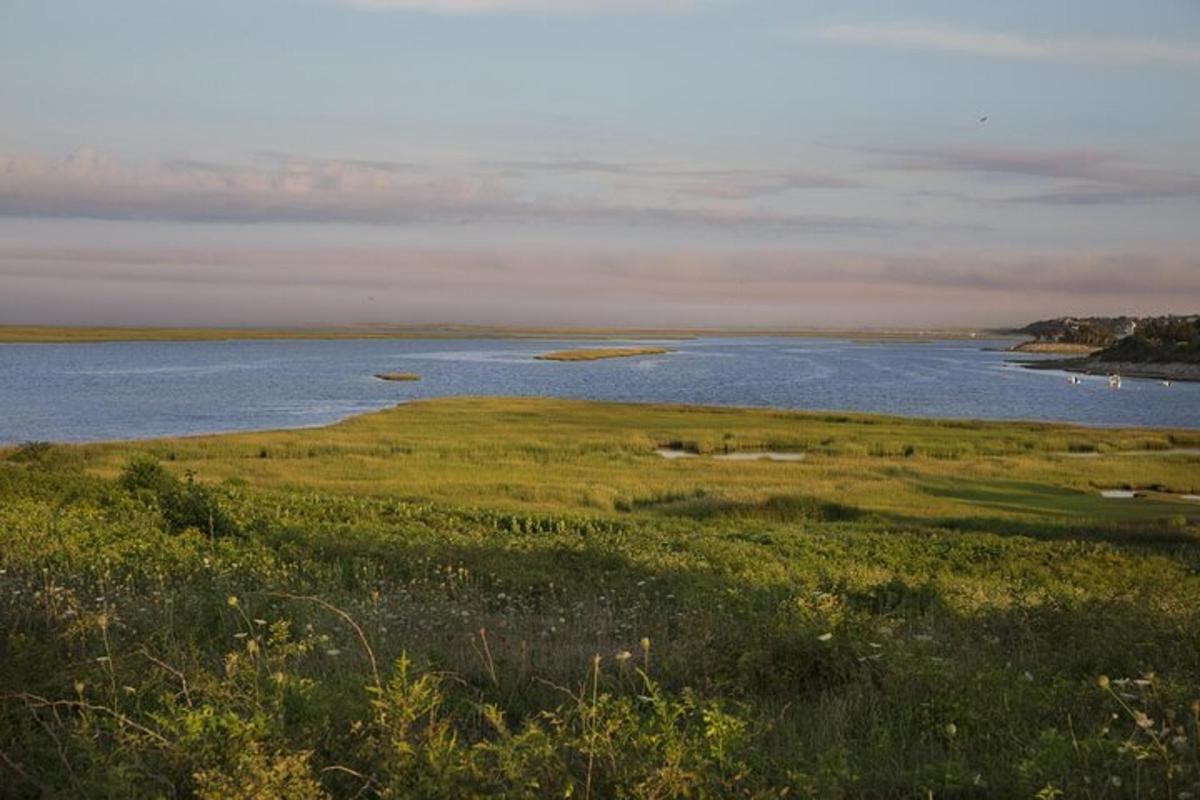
[87, 392]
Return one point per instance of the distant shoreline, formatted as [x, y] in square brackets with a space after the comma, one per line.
[1092, 366]
[47, 334]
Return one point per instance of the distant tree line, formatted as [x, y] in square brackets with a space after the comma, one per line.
[1093, 331]
[1159, 340]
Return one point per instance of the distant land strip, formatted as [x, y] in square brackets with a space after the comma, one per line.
[600, 353]
[1056, 347]
[62, 334]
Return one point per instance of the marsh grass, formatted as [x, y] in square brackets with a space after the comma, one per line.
[518, 598]
[601, 353]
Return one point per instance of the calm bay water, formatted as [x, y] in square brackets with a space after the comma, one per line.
[88, 392]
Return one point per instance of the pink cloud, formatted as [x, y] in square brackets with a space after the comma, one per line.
[673, 286]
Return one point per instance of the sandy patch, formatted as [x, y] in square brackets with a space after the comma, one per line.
[1118, 494]
[1175, 451]
[674, 454]
[761, 457]
[1191, 498]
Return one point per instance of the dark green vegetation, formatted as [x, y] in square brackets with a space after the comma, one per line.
[1169, 339]
[1159, 347]
[1094, 332]
[1162, 340]
[518, 598]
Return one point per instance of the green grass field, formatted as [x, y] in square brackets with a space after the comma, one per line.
[522, 598]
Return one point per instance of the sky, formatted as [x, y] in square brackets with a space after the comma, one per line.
[651, 163]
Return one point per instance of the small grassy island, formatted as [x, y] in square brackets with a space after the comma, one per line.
[600, 353]
[397, 376]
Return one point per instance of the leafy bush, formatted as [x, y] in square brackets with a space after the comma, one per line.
[31, 452]
[184, 504]
[645, 743]
[144, 473]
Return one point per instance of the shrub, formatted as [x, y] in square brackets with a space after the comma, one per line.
[31, 452]
[184, 504]
[258, 776]
[146, 474]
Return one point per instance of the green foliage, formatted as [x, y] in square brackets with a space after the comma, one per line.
[184, 504]
[1162, 339]
[601, 743]
[30, 452]
[254, 775]
[1092, 331]
[736, 630]
[144, 473]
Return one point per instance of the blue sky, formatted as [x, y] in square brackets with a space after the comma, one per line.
[674, 162]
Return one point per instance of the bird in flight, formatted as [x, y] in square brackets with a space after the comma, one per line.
[983, 119]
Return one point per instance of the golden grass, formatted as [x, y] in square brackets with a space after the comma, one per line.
[565, 455]
[1056, 347]
[598, 354]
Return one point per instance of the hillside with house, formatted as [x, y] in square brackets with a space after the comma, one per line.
[1160, 340]
[1093, 332]
[1165, 347]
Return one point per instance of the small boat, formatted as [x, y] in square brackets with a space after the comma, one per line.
[1166, 384]
[1114, 381]
[1074, 380]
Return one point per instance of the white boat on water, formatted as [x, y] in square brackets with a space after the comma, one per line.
[1114, 381]
[1074, 380]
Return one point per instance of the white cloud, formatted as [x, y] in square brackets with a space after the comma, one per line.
[1065, 49]
[503, 6]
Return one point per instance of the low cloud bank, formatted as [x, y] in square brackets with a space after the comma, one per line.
[565, 286]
